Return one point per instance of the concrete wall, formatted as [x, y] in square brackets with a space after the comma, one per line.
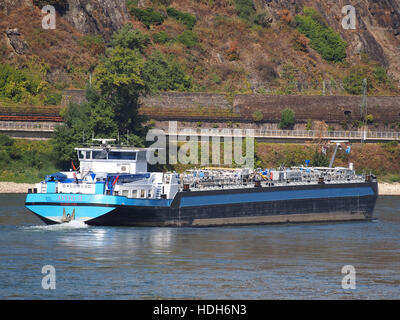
[331, 109]
[183, 100]
[72, 96]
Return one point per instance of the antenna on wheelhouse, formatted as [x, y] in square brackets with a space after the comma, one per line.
[104, 142]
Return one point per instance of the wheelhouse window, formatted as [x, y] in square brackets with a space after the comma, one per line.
[84, 155]
[99, 155]
[117, 155]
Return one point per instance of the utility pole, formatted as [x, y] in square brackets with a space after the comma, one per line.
[364, 109]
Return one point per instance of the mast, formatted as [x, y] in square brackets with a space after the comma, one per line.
[338, 145]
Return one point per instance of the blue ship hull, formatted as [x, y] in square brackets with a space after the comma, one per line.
[301, 203]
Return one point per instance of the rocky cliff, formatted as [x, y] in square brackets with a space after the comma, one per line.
[265, 60]
[377, 30]
[97, 17]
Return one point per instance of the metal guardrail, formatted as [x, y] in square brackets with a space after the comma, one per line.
[288, 134]
[230, 132]
[27, 126]
[329, 135]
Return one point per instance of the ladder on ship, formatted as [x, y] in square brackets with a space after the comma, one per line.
[158, 191]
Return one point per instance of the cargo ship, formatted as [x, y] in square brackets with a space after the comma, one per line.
[113, 187]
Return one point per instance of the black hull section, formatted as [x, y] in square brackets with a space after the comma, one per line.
[332, 209]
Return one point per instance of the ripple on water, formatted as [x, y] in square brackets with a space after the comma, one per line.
[251, 262]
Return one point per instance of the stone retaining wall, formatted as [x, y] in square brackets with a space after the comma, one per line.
[331, 109]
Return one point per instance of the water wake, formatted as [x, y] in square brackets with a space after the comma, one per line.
[60, 227]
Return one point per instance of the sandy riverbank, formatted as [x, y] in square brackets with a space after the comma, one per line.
[12, 187]
[385, 189]
[389, 189]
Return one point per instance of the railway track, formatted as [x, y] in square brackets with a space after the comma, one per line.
[30, 117]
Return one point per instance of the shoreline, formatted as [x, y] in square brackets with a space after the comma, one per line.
[385, 188]
[388, 189]
[13, 187]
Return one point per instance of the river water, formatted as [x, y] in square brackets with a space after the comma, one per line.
[302, 261]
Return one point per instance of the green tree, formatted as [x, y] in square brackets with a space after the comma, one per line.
[188, 38]
[245, 9]
[323, 39]
[353, 82]
[25, 161]
[319, 159]
[287, 119]
[111, 108]
[257, 116]
[52, 98]
[308, 125]
[6, 141]
[120, 80]
[380, 74]
[183, 17]
[94, 43]
[161, 37]
[147, 16]
[162, 73]
[369, 118]
[70, 134]
[130, 38]
[18, 85]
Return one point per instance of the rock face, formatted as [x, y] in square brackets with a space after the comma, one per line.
[96, 17]
[19, 45]
[7, 5]
[377, 32]
[86, 16]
